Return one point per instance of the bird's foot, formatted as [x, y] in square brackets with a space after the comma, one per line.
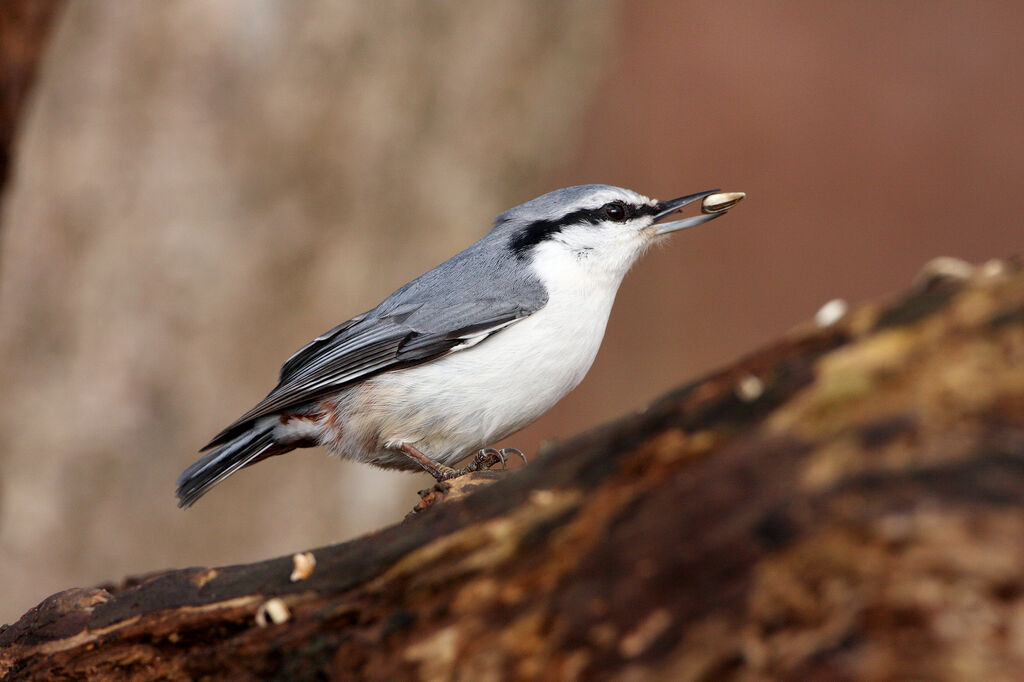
[484, 460]
[488, 457]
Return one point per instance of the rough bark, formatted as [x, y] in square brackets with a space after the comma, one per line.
[844, 504]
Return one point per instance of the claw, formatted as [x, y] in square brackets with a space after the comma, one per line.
[488, 453]
[514, 451]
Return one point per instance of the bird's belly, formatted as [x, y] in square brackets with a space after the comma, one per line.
[471, 398]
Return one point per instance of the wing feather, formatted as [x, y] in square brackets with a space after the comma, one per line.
[474, 294]
[299, 358]
[367, 345]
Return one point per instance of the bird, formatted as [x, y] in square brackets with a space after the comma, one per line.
[465, 354]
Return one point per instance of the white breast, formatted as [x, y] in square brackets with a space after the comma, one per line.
[471, 398]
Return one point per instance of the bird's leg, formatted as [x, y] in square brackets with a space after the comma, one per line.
[438, 471]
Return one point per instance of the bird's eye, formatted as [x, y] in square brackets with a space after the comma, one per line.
[615, 211]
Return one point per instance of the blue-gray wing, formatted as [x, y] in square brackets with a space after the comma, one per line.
[408, 334]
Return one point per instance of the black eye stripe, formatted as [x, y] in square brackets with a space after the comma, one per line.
[540, 230]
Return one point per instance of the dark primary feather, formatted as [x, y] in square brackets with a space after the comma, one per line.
[217, 465]
[299, 358]
[478, 291]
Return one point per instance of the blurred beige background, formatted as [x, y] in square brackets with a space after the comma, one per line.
[200, 188]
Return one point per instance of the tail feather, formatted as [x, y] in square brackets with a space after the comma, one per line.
[213, 467]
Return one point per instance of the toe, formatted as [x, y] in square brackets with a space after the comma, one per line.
[515, 451]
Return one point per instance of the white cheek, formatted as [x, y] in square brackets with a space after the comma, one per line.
[601, 255]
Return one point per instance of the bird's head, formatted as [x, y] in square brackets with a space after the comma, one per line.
[604, 229]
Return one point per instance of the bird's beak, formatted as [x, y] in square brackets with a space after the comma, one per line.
[667, 208]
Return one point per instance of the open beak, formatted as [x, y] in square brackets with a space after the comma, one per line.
[667, 208]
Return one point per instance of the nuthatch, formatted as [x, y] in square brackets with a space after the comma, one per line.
[465, 354]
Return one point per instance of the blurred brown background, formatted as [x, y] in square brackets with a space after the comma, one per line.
[199, 188]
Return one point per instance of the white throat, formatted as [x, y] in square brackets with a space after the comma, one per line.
[570, 269]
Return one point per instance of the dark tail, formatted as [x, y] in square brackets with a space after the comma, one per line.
[244, 449]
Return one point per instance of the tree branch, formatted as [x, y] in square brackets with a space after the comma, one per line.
[845, 503]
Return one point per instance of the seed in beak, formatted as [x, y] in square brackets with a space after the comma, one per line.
[723, 201]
